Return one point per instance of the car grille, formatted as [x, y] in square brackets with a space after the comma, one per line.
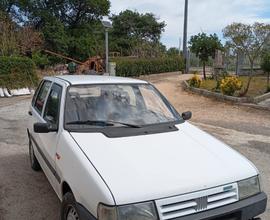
[192, 203]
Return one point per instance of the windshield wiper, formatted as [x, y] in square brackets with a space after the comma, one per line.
[90, 122]
[102, 123]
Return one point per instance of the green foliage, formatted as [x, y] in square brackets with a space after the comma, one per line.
[143, 66]
[40, 60]
[195, 81]
[17, 72]
[204, 47]
[8, 7]
[86, 41]
[132, 29]
[137, 26]
[71, 13]
[69, 27]
[230, 85]
[55, 36]
[248, 39]
[73, 28]
[173, 51]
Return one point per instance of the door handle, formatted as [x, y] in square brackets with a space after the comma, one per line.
[30, 113]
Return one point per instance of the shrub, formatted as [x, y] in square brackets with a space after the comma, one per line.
[230, 84]
[17, 72]
[143, 66]
[195, 81]
[40, 60]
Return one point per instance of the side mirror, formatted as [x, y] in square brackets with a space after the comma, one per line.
[187, 115]
[44, 128]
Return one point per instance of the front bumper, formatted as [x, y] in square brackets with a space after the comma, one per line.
[242, 210]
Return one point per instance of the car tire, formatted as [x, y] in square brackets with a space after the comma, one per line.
[68, 208]
[33, 160]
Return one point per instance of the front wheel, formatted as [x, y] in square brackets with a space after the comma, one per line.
[68, 208]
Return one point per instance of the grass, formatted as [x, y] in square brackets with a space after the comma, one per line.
[257, 85]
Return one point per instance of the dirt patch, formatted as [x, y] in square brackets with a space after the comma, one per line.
[261, 146]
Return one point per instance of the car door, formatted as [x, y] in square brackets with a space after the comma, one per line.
[46, 110]
[49, 141]
[37, 105]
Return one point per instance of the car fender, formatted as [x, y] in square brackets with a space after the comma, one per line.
[72, 165]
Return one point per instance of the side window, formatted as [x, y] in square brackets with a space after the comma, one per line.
[40, 100]
[36, 93]
[51, 113]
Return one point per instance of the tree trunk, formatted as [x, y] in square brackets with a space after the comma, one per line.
[249, 80]
[204, 72]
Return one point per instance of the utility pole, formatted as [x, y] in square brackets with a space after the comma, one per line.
[185, 49]
[107, 25]
[107, 49]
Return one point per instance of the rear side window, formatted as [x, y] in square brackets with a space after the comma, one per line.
[51, 113]
[42, 94]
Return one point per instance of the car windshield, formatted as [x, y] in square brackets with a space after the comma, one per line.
[132, 105]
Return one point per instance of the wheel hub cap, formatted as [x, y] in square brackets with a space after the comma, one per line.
[72, 214]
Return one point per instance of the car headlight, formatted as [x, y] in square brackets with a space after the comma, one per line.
[249, 187]
[142, 211]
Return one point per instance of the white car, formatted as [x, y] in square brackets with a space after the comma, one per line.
[115, 149]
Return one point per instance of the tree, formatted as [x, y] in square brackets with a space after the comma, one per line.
[133, 32]
[69, 27]
[8, 39]
[56, 37]
[17, 40]
[173, 51]
[248, 39]
[9, 7]
[71, 13]
[73, 28]
[265, 65]
[204, 47]
[29, 40]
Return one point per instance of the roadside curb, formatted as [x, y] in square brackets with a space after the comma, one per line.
[215, 95]
[242, 101]
[6, 93]
[262, 98]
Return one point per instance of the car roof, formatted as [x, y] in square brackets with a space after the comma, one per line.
[93, 79]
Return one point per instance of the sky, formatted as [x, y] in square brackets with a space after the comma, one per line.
[209, 16]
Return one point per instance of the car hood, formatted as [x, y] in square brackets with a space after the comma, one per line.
[149, 167]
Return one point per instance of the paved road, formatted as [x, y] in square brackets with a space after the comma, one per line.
[27, 195]
[24, 194]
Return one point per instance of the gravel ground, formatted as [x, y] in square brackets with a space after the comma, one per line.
[27, 195]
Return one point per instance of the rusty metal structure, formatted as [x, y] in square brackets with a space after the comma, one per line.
[92, 63]
[95, 64]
